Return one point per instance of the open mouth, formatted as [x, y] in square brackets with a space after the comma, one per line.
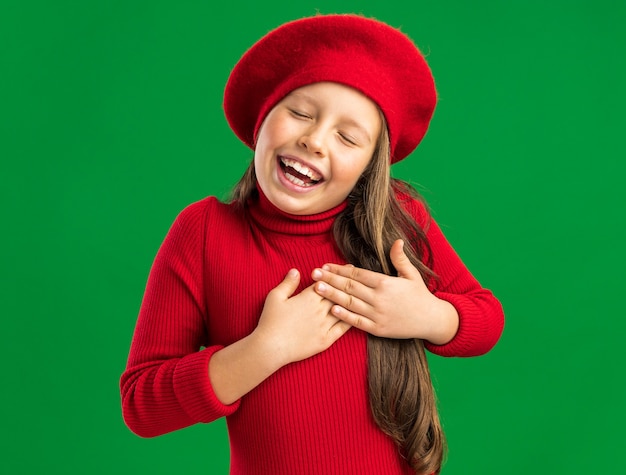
[299, 174]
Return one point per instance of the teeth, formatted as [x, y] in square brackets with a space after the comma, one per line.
[295, 180]
[297, 166]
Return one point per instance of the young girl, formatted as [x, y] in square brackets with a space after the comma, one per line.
[300, 310]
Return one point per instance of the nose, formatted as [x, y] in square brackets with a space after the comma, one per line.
[313, 141]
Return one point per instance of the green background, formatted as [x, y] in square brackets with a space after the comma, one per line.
[111, 122]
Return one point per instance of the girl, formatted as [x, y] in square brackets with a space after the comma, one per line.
[300, 310]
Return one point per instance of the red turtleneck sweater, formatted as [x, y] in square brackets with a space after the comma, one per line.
[206, 289]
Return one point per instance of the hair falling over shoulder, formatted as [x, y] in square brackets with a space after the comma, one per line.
[401, 393]
[402, 397]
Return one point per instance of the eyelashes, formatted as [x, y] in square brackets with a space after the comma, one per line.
[299, 114]
[346, 138]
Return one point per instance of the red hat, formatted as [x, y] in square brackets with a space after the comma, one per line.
[366, 54]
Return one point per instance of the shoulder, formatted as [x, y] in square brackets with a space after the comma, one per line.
[193, 217]
[205, 208]
[194, 213]
[209, 214]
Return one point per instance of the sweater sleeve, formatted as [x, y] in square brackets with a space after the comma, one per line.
[481, 317]
[166, 383]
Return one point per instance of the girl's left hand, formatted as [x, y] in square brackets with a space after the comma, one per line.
[387, 306]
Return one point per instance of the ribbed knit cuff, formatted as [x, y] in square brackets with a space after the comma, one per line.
[193, 389]
[474, 336]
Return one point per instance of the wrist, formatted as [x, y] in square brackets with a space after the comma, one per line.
[445, 322]
[269, 350]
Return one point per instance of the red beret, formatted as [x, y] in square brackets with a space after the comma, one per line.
[366, 54]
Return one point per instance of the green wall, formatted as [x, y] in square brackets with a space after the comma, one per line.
[111, 122]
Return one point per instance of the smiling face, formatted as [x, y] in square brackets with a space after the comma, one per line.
[314, 145]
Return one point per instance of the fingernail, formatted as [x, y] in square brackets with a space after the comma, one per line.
[326, 267]
[321, 287]
[317, 274]
[293, 273]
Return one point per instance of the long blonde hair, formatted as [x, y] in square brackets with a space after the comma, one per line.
[402, 397]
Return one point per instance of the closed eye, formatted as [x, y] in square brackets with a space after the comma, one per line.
[299, 114]
[348, 139]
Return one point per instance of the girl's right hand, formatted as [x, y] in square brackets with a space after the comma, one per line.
[291, 328]
[298, 326]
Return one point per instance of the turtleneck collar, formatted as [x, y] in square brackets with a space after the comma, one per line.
[271, 218]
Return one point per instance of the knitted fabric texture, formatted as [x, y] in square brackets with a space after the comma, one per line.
[378, 60]
[206, 289]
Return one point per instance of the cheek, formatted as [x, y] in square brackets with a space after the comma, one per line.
[263, 147]
[262, 162]
[278, 127]
[351, 169]
[346, 179]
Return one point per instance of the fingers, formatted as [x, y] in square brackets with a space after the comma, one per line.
[338, 330]
[289, 284]
[348, 279]
[345, 287]
[363, 276]
[401, 262]
[370, 278]
[352, 319]
[337, 326]
[351, 298]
